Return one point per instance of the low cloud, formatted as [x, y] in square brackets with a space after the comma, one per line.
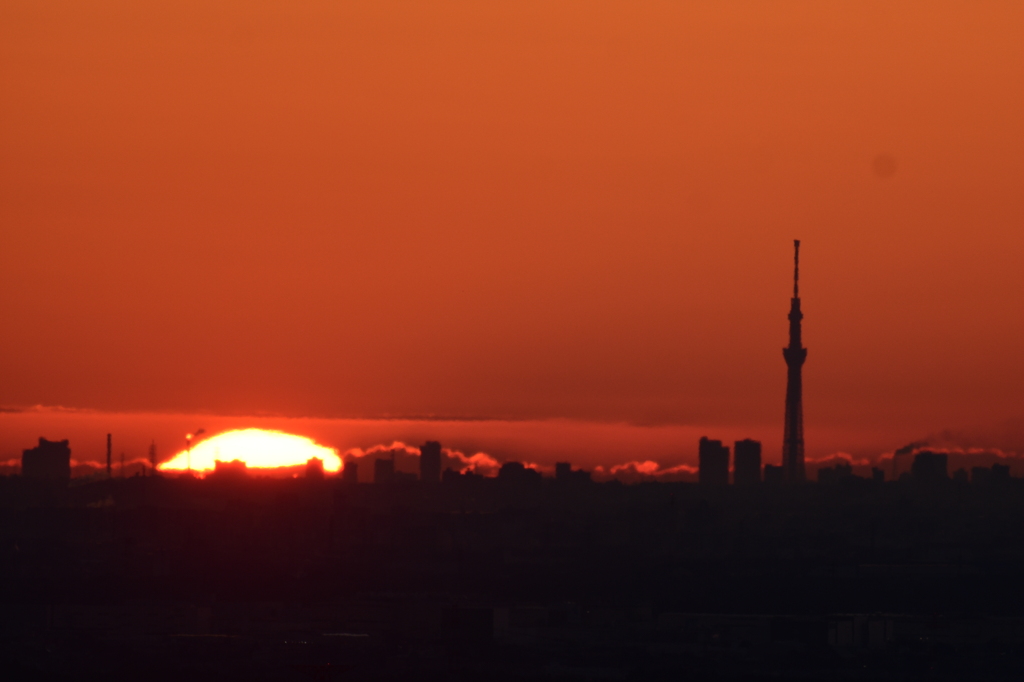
[647, 470]
[407, 459]
[479, 463]
[861, 466]
[838, 458]
[900, 461]
[1006, 437]
[965, 447]
[382, 450]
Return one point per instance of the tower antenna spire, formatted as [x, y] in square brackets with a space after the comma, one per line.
[796, 268]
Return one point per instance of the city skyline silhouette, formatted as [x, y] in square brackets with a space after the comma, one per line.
[664, 463]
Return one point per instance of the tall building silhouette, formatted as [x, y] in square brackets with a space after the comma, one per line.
[795, 354]
[563, 471]
[930, 466]
[50, 460]
[384, 469]
[350, 472]
[746, 459]
[430, 462]
[714, 462]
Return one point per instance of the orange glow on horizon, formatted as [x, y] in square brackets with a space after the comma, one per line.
[571, 215]
[257, 448]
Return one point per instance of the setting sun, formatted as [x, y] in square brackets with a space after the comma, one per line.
[257, 448]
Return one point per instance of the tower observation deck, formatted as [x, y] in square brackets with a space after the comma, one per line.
[795, 354]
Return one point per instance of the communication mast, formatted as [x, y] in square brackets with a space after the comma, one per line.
[795, 355]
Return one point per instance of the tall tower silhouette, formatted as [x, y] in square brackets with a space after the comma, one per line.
[795, 354]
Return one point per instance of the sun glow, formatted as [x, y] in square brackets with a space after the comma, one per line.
[256, 448]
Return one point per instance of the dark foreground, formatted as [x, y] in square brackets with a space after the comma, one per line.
[151, 578]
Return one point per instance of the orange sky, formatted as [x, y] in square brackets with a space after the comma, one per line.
[535, 210]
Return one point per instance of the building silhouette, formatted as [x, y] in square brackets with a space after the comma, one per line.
[930, 466]
[714, 463]
[565, 475]
[430, 462]
[350, 472]
[746, 462]
[774, 475]
[236, 469]
[384, 470]
[795, 354]
[315, 468]
[563, 471]
[986, 475]
[516, 473]
[836, 473]
[50, 460]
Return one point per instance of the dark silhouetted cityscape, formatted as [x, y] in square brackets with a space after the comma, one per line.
[449, 575]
